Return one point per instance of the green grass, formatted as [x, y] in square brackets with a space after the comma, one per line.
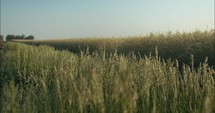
[44, 80]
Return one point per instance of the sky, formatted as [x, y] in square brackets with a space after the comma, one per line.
[52, 19]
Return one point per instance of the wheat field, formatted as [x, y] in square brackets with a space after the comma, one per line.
[178, 45]
[131, 75]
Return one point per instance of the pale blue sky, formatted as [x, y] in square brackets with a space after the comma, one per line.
[49, 19]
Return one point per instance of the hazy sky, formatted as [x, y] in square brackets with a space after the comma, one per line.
[47, 19]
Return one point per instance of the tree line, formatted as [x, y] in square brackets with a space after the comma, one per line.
[17, 37]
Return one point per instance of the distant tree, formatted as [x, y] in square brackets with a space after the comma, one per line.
[23, 36]
[18, 37]
[1, 41]
[30, 37]
[1, 37]
[10, 37]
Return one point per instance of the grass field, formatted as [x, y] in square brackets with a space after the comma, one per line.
[107, 77]
[180, 46]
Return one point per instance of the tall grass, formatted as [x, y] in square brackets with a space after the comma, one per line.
[42, 79]
[179, 45]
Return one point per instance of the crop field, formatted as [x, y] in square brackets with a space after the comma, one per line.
[180, 46]
[158, 73]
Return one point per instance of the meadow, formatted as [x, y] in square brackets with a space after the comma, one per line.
[153, 74]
